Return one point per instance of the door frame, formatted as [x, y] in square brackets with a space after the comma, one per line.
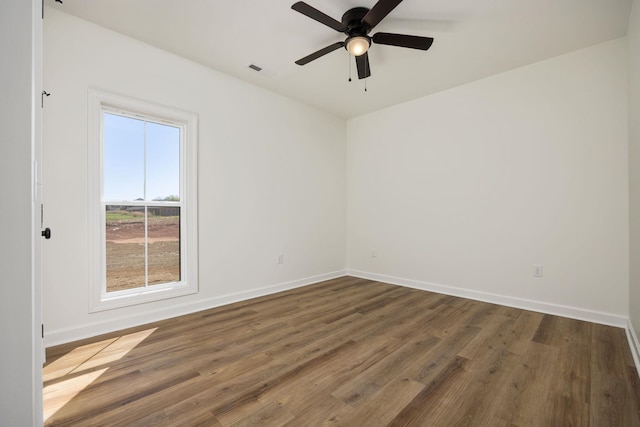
[38, 350]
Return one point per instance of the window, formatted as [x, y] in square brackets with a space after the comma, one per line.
[143, 213]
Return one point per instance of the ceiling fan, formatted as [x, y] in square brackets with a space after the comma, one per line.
[356, 24]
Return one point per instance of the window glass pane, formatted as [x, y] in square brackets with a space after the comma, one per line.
[125, 247]
[123, 158]
[163, 237]
[163, 162]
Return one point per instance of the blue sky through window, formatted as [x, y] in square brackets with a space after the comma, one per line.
[124, 159]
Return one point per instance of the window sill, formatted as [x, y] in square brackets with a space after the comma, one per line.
[131, 297]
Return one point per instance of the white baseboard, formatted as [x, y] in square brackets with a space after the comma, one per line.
[538, 306]
[634, 345]
[61, 336]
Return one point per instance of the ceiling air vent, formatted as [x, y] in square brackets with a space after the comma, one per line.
[255, 67]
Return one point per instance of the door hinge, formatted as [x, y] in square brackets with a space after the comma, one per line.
[44, 93]
[42, 324]
[57, 1]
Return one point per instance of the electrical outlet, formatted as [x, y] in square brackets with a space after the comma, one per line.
[280, 259]
[373, 253]
[537, 270]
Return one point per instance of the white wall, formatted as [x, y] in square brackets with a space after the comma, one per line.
[470, 187]
[272, 176]
[20, 378]
[634, 167]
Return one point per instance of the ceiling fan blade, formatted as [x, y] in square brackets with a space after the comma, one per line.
[362, 63]
[403, 40]
[318, 54]
[379, 11]
[316, 15]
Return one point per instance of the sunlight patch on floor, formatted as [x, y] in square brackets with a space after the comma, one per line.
[70, 361]
[59, 394]
[85, 364]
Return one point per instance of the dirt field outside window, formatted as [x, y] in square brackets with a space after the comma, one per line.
[125, 249]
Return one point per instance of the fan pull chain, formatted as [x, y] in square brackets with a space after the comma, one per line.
[367, 73]
[349, 60]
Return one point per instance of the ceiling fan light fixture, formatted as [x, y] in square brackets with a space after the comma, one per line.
[358, 45]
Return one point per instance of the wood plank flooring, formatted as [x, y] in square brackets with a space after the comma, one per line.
[348, 352]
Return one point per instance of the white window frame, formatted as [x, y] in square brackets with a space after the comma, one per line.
[100, 103]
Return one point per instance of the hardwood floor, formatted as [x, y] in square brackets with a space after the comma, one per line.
[348, 352]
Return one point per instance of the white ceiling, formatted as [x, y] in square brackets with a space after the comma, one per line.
[473, 39]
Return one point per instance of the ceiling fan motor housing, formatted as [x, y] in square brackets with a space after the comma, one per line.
[352, 19]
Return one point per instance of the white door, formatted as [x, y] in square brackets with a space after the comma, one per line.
[40, 231]
[37, 210]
